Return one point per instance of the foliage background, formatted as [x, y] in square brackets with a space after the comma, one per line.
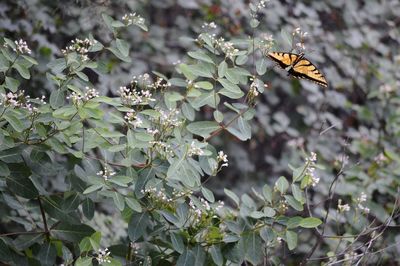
[355, 43]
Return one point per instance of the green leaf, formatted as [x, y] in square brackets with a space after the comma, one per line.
[253, 244]
[293, 222]
[187, 72]
[57, 98]
[118, 200]
[261, 66]
[200, 55]
[232, 196]
[47, 254]
[108, 20]
[298, 173]
[203, 128]
[206, 85]
[267, 193]
[200, 255]
[15, 122]
[22, 70]
[310, 222]
[188, 111]
[241, 59]
[218, 116]
[22, 186]
[254, 23]
[137, 225]
[82, 76]
[84, 261]
[287, 38]
[177, 242]
[297, 193]
[30, 59]
[291, 239]
[88, 208]
[269, 212]
[222, 67]
[12, 84]
[72, 232]
[133, 204]
[230, 90]
[118, 54]
[298, 206]
[282, 185]
[186, 258]
[4, 170]
[216, 255]
[209, 98]
[93, 188]
[208, 195]
[201, 70]
[123, 47]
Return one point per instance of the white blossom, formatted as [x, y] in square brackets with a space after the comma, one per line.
[132, 18]
[103, 256]
[106, 173]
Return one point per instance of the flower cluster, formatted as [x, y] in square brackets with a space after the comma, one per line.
[133, 18]
[296, 143]
[89, 94]
[133, 119]
[162, 148]
[386, 89]
[266, 42]
[226, 47]
[106, 173]
[380, 158]
[134, 97]
[302, 35]
[82, 47]
[344, 207]
[209, 26]
[194, 150]
[222, 157]
[19, 100]
[283, 206]
[261, 4]
[362, 198]
[139, 90]
[253, 92]
[103, 256]
[204, 210]
[157, 194]
[152, 131]
[310, 169]
[169, 119]
[21, 47]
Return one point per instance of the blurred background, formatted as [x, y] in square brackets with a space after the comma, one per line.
[355, 122]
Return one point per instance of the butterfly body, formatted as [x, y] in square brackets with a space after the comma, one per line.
[298, 66]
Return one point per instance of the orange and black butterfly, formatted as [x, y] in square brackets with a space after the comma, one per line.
[298, 66]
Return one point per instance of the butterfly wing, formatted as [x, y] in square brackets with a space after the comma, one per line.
[301, 67]
[305, 69]
[283, 59]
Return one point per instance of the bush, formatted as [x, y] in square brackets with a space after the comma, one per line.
[144, 159]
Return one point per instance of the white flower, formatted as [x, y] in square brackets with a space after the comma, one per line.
[194, 150]
[22, 47]
[103, 255]
[133, 18]
[106, 173]
[222, 157]
[362, 197]
[344, 207]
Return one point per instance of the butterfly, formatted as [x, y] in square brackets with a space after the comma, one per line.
[298, 66]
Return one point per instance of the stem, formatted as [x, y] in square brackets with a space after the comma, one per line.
[46, 229]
